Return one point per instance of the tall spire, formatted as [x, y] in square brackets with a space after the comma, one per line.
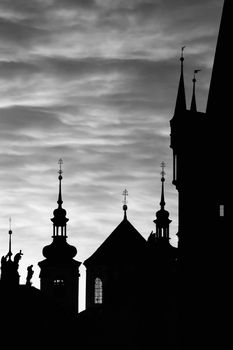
[162, 221]
[181, 100]
[125, 194]
[220, 92]
[59, 220]
[60, 201]
[193, 107]
[162, 201]
[10, 233]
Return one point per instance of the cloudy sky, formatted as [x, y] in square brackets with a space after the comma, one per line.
[93, 82]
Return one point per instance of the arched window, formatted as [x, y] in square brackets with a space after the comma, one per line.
[98, 297]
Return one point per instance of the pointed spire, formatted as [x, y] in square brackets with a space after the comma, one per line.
[60, 201]
[10, 233]
[125, 194]
[162, 221]
[193, 107]
[59, 220]
[220, 93]
[162, 201]
[181, 100]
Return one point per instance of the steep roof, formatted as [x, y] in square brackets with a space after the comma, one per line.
[220, 94]
[124, 244]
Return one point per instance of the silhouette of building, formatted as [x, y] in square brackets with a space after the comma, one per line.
[201, 144]
[141, 292]
[113, 268]
[59, 274]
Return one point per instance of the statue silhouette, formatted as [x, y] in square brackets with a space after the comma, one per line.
[29, 275]
[17, 257]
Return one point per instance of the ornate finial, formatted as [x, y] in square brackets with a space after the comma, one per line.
[163, 165]
[125, 194]
[182, 53]
[193, 107]
[60, 201]
[10, 233]
[60, 162]
[162, 202]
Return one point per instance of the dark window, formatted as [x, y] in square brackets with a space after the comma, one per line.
[98, 291]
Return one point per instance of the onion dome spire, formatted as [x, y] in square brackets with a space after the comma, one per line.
[193, 107]
[162, 216]
[125, 194]
[59, 249]
[59, 220]
[181, 99]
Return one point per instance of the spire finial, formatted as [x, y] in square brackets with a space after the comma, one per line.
[163, 165]
[182, 54]
[10, 233]
[60, 201]
[162, 202]
[125, 194]
[60, 162]
[181, 100]
[193, 107]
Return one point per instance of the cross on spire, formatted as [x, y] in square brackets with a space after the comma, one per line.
[60, 201]
[60, 162]
[163, 165]
[125, 194]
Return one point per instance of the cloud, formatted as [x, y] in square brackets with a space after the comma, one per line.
[93, 82]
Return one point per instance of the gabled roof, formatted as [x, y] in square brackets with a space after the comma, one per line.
[125, 244]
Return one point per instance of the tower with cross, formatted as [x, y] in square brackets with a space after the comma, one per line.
[111, 271]
[59, 276]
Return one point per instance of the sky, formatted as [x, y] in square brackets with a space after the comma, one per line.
[93, 82]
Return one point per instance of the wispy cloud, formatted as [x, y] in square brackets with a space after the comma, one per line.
[93, 82]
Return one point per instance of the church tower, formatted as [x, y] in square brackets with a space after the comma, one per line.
[59, 276]
[113, 270]
[200, 144]
[161, 255]
[201, 150]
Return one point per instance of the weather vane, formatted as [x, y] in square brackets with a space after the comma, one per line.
[182, 53]
[125, 194]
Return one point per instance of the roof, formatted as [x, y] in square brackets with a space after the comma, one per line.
[125, 243]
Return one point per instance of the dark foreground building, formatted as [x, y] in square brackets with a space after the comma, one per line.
[144, 294]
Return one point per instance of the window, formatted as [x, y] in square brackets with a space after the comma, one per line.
[59, 287]
[58, 282]
[98, 291]
[221, 210]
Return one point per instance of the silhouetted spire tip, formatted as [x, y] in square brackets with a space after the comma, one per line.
[181, 99]
[193, 106]
[125, 207]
